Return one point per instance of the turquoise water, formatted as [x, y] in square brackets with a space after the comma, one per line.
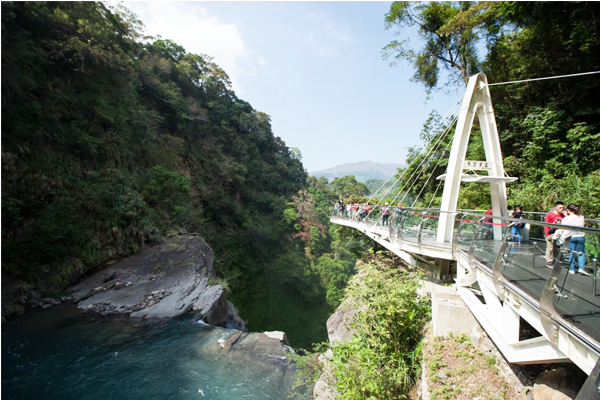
[60, 354]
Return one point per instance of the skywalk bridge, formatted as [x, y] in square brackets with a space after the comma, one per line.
[532, 312]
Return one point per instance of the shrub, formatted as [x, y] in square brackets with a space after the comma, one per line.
[383, 360]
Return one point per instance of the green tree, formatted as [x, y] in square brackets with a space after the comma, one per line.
[347, 186]
[450, 30]
[549, 129]
[109, 141]
[383, 360]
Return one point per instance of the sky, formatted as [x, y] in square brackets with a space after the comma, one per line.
[316, 68]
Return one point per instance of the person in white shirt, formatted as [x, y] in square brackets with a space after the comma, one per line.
[577, 244]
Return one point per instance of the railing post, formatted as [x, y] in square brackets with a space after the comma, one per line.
[401, 223]
[471, 254]
[496, 272]
[547, 310]
[456, 235]
[595, 264]
[391, 227]
[420, 234]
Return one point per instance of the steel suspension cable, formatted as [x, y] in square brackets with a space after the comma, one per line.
[448, 113]
[425, 157]
[430, 175]
[433, 197]
[545, 78]
[431, 150]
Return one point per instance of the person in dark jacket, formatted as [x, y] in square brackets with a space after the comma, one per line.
[515, 227]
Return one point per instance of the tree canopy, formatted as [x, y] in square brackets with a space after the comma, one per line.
[450, 31]
[110, 142]
[549, 129]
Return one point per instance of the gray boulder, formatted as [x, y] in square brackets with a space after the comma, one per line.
[339, 330]
[163, 281]
[338, 325]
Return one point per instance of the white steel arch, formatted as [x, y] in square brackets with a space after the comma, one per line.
[477, 101]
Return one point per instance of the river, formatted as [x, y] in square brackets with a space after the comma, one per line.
[61, 354]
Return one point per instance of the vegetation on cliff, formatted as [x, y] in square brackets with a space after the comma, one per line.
[110, 140]
[383, 359]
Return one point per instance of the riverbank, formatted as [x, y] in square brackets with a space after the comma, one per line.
[163, 281]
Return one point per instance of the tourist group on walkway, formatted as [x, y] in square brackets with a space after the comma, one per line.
[361, 211]
[555, 237]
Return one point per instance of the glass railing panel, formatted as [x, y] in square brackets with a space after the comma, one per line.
[456, 231]
[403, 216]
[466, 231]
[485, 247]
[373, 217]
[577, 299]
[411, 224]
[576, 296]
[525, 265]
[431, 221]
[385, 216]
[341, 212]
[395, 221]
[335, 212]
[592, 242]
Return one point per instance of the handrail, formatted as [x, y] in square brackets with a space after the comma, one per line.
[361, 205]
[502, 218]
[539, 223]
[550, 317]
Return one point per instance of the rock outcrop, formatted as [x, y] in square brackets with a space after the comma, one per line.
[338, 331]
[163, 281]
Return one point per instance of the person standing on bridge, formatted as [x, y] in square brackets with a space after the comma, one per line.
[553, 217]
[515, 227]
[386, 214]
[577, 243]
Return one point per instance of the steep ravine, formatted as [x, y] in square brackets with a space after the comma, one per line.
[174, 302]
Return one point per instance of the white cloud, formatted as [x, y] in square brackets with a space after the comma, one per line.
[190, 26]
[326, 35]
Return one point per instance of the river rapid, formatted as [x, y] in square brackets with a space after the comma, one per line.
[60, 353]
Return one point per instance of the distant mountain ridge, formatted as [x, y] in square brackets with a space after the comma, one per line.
[362, 171]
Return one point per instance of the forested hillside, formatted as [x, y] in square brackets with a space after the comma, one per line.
[549, 129]
[110, 141]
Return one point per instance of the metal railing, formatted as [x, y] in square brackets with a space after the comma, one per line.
[563, 299]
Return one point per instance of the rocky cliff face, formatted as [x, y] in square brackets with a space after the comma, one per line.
[338, 331]
[164, 281]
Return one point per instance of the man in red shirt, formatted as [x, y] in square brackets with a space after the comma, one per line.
[553, 217]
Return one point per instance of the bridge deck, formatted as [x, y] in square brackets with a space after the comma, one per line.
[526, 268]
[523, 267]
